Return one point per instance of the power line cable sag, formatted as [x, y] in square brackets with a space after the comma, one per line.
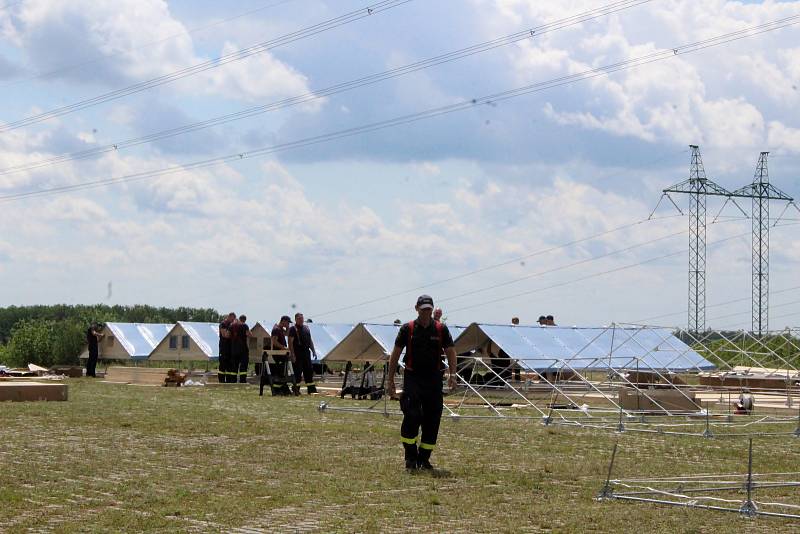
[486, 268]
[568, 282]
[238, 55]
[334, 89]
[540, 273]
[415, 117]
[716, 305]
[101, 59]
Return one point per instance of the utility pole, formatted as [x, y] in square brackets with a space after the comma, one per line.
[698, 187]
[761, 192]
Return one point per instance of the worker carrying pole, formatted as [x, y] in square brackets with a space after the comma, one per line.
[425, 341]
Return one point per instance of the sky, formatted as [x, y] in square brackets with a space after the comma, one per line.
[537, 204]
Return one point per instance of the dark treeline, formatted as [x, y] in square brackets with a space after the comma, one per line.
[49, 335]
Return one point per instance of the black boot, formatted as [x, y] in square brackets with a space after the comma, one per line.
[411, 455]
[423, 459]
[296, 391]
[311, 389]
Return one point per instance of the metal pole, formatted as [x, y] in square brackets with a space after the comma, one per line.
[607, 492]
[749, 508]
[708, 433]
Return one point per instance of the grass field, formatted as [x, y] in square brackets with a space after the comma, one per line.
[126, 458]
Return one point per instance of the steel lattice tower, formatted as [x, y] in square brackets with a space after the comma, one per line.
[761, 192]
[698, 187]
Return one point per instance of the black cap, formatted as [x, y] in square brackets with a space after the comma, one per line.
[425, 301]
[542, 318]
[286, 318]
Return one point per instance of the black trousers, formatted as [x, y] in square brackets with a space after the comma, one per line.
[243, 362]
[421, 403]
[91, 363]
[303, 368]
[225, 358]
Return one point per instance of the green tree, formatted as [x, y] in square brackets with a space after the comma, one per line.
[31, 342]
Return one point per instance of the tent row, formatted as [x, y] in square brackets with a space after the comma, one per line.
[194, 341]
[534, 348]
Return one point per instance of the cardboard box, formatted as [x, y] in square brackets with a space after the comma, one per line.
[32, 391]
[658, 400]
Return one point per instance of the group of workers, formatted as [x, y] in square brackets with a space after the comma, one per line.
[234, 352]
[293, 343]
[288, 343]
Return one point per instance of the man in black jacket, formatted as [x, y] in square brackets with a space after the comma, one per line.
[93, 335]
[300, 348]
[425, 341]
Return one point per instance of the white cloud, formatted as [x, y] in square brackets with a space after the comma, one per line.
[141, 40]
[783, 138]
[712, 98]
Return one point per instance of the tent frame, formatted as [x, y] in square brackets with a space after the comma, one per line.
[663, 419]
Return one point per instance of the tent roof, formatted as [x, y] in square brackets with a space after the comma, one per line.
[205, 335]
[371, 342]
[327, 336]
[546, 347]
[139, 339]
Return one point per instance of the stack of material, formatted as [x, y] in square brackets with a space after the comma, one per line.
[142, 376]
[70, 371]
[174, 378]
[32, 391]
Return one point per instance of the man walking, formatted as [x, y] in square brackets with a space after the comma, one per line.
[300, 348]
[93, 335]
[425, 342]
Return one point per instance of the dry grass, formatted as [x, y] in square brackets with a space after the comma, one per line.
[125, 458]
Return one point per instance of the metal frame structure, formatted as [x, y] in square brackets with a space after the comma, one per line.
[707, 491]
[761, 192]
[698, 187]
[583, 390]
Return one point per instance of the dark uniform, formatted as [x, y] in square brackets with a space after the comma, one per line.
[240, 352]
[302, 344]
[280, 361]
[94, 351]
[421, 400]
[225, 352]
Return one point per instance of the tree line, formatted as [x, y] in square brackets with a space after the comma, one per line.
[56, 334]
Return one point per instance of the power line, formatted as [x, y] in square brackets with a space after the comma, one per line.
[733, 301]
[587, 260]
[238, 55]
[748, 311]
[101, 59]
[485, 268]
[335, 89]
[415, 117]
[561, 267]
[583, 278]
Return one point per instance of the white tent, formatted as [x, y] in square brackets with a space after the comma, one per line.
[189, 341]
[371, 342]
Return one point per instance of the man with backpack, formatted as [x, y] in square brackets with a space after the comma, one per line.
[425, 341]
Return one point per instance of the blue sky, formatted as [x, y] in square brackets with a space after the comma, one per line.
[337, 224]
